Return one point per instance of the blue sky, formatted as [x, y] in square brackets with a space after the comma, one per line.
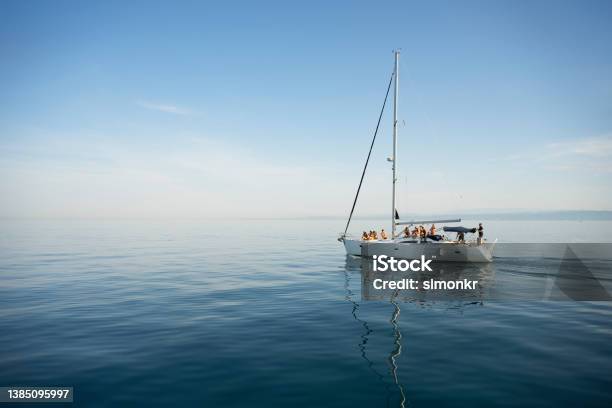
[267, 108]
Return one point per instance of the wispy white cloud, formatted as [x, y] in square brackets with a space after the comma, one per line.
[591, 147]
[164, 107]
[592, 154]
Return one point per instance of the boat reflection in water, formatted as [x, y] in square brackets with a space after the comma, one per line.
[463, 282]
[362, 268]
[457, 282]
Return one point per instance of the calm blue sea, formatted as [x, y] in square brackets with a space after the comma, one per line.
[271, 313]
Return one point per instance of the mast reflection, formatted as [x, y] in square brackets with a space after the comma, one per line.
[353, 265]
[397, 341]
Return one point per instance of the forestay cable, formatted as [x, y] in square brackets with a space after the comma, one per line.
[369, 154]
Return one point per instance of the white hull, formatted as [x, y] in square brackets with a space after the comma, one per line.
[443, 251]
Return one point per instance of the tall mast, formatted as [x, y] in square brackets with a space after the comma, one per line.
[394, 161]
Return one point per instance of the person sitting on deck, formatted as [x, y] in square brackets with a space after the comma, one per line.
[422, 232]
[383, 234]
[406, 232]
[432, 230]
[415, 232]
[374, 235]
[365, 236]
[460, 237]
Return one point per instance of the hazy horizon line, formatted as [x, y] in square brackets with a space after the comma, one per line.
[500, 215]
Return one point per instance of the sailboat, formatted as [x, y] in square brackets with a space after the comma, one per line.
[436, 248]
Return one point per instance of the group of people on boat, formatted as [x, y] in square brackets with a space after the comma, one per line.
[373, 235]
[422, 233]
[419, 232]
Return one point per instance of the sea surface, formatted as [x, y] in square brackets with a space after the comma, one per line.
[272, 313]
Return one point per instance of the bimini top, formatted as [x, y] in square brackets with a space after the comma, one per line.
[459, 229]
